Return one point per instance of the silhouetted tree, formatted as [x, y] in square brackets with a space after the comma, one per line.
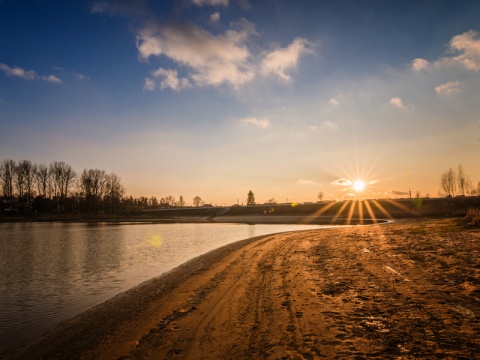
[461, 180]
[20, 181]
[250, 198]
[170, 200]
[41, 178]
[114, 191]
[320, 196]
[181, 202]
[197, 201]
[153, 202]
[448, 182]
[7, 174]
[63, 177]
[27, 170]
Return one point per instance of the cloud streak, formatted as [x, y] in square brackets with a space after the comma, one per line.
[17, 71]
[342, 182]
[399, 193]
[306, 182]
[258, 123]
[210, 2]
[448, 88]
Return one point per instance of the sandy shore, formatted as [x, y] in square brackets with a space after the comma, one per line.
[403, 290]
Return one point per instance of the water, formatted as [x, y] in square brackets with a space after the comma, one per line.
[50, 272]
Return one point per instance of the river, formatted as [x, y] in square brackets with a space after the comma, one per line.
[50, 272]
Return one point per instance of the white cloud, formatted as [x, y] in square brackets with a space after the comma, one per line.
[448, 88]
[210, 2]
[281, 60]
[306, 182]
[464, 50]
[330, 125]
[212, 59]
[215, 17]
[259, 123]
[149, 85]
[342, 182]
[171, 80]
[334, 102]
[396, 102]
[18, 71]
[468, 47]
[52, 79]
[79, 76]
[419, 64]
[28, 75]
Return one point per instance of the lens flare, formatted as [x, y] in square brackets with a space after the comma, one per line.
[358, 186]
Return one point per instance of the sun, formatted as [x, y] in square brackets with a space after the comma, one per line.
[358, 186]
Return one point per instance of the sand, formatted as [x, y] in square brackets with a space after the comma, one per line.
[404, 290]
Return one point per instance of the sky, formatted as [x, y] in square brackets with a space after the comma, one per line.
[214, 98]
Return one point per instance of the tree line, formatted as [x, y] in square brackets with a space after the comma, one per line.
[457, 183]
[56, 187]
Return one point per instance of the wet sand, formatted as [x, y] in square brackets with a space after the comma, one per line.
[403, 290]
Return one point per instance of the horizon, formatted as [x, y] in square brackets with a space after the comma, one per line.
[214, 98]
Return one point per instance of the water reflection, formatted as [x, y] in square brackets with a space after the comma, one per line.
[53, 271]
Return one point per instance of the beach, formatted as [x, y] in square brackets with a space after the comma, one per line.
[402, 290]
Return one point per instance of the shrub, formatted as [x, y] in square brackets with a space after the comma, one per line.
[472, 219]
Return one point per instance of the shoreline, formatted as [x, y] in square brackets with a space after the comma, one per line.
[237, 219]
[238, 285]
[102, 314]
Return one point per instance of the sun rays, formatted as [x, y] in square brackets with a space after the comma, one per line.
[360, 212]
[357, 203]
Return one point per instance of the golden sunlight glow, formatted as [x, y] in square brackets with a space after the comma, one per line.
[358, 186]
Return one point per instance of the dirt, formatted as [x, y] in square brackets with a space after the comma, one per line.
[404, 290]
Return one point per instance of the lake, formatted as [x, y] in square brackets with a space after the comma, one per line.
[50, 272]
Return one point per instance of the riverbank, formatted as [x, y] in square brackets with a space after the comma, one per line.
[401, 290]
[237, 219]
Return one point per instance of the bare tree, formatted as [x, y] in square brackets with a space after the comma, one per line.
[92, 183]
[181, 202]
[114, 191]
[461, 180]
[170, 200]
[20, 181]
[63, 177]
[68, 179]
[153, 202]
[7, 174]
[42, 177]
[197, 201]
[448, 182]
[26, 169]
[98, 185]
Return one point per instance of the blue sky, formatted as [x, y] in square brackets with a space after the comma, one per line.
[217, 97]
